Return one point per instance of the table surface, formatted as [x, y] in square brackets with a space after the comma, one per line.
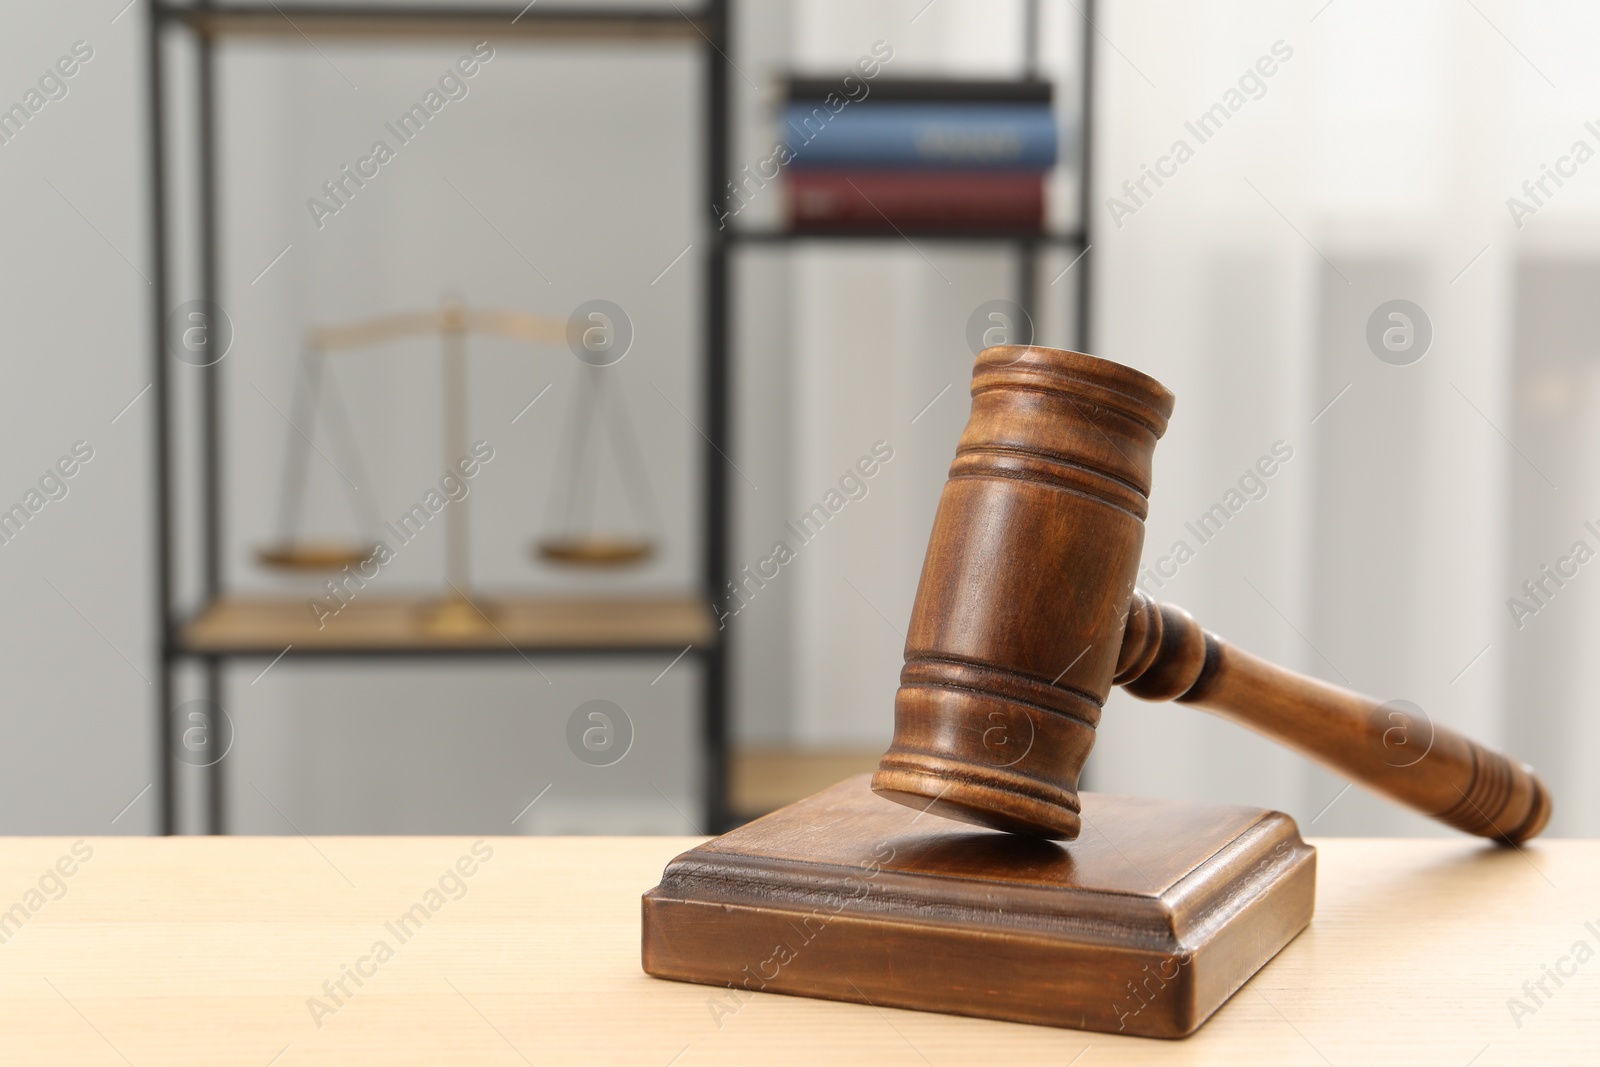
[217, 951]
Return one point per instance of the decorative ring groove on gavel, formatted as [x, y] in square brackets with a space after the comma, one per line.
[1026, 615]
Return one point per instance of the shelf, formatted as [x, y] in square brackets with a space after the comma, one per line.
[966, 236]
[302, 21]
[250, 626]
[264, 628]
[765, 779]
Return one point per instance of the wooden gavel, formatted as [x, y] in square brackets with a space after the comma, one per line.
[1026, 615]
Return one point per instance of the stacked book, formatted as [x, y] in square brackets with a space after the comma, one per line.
[923, 154]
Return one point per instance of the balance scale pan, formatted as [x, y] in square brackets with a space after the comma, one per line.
[313, 556]
[596, 551]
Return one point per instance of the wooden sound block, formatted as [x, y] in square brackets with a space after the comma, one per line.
[1145, 925]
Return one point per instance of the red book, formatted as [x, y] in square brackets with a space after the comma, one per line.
[873, 200]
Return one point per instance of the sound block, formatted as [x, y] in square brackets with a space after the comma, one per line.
[1144, 925]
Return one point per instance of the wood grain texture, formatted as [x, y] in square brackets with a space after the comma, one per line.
[1144, 925]
[517, 325]
[396, 624]
[202, 952]
[1018, 616]
[1390, 749]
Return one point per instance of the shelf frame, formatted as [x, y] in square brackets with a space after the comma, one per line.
[1071, 239]
[706, 29]
[368, 21]
[703, 30]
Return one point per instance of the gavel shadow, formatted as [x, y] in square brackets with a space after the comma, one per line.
[989, 854]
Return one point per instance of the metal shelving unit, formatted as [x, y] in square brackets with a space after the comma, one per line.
[1025, 245]
[223, 629]
[220, 630]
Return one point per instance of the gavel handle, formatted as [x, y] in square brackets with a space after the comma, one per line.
[1167, 656]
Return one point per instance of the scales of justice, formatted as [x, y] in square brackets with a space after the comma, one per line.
[571, 538]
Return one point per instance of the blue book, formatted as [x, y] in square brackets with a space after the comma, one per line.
[969, 136]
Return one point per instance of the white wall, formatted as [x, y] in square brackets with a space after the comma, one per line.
[1550, 663]
[77, 658]
[1376, 166]
[880, 332]
[481, 204]
[1378, 162]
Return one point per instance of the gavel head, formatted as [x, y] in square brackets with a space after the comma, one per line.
[1025, 589]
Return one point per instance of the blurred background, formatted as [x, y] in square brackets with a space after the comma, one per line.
[1360, 238]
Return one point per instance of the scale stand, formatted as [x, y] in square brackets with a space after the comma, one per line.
[457, 613]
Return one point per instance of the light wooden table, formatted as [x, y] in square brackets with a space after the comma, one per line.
[208, 951]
